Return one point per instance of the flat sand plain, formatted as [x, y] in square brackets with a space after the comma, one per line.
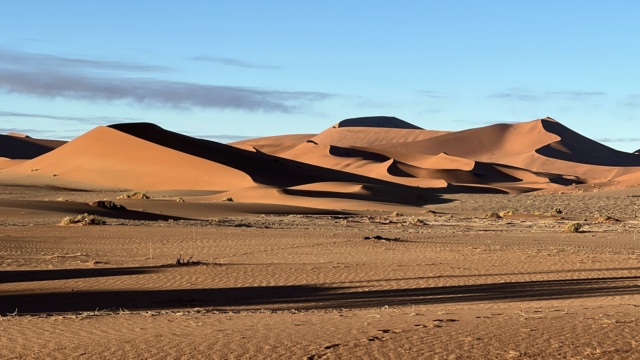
[440, 281]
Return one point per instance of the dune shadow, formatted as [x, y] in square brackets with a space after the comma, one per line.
[76, 208]
[308, 297]
[17, 276]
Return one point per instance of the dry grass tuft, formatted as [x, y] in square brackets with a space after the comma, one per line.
[134, 195]
[606, 218]
[107, 204]
[555, 211]
[574, 227]
[84, 219]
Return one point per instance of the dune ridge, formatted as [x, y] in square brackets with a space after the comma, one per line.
[370, 159]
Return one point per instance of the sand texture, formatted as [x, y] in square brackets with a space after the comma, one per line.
[372, 240]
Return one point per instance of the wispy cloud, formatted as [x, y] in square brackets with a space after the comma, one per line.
[618, 140]
[152, 91]
[27, 131]
[433, 94]
[50, 76]
[482, 122]
[232, 62]
[575, 95]
[224, 138]
[26, 60]
[147, 91]
[632, 101]
[99, 120]
[516, 94]
[524, 95]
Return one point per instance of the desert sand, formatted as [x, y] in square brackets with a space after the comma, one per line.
[374, 239]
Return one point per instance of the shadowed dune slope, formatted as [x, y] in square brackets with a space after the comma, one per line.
[24, 147]
[484, 143]
[369, 131]
[263, 168]
[576, 148]
[273, 145]
[384, 158]
[108, 157]
[385, 122]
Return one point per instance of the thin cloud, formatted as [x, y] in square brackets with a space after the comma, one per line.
[224, 138]
[575, 95]
[482, 122]
[618, 140]
[516, 94]
[433, 94]
[524, 95]
[232, 62]
[79, 119]
[144, 91]
[632, 101]
[26, 60]
[6, 130]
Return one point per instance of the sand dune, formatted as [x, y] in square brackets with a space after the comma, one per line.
[386, 159]
[107, 157]
[20, 146]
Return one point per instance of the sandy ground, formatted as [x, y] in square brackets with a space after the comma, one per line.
[281, 282]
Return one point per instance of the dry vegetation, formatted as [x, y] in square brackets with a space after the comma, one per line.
[134, 195]
[84, 219]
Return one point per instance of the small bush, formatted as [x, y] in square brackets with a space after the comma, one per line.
[574, 227]
[555, 211]
[84, 219]
[607, 218]
[107, 204]
[134, 195]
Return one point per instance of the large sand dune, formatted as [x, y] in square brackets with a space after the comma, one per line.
[398, 159]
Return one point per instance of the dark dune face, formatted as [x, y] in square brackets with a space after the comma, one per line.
[387, 122]
[19, 146]
[343, 161]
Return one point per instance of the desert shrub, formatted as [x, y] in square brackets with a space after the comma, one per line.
[606, 218]
[107, 204]
[134, 195]
[574, 227]
[493, 215]
[84, 219]
[555, 211]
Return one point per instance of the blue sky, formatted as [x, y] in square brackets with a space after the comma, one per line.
[257, 68]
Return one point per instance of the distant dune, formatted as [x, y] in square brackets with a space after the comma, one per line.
[21, 146]
[371, 159]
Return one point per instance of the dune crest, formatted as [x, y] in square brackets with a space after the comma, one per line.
[375, 159]
[386, 122]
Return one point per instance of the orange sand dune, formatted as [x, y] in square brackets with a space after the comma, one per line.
[371, 131]
[273, 145]
[376, 159]
[20, 146]
[108, 157]
[147, 157]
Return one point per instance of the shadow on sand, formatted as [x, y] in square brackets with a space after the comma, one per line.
[290, 296]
